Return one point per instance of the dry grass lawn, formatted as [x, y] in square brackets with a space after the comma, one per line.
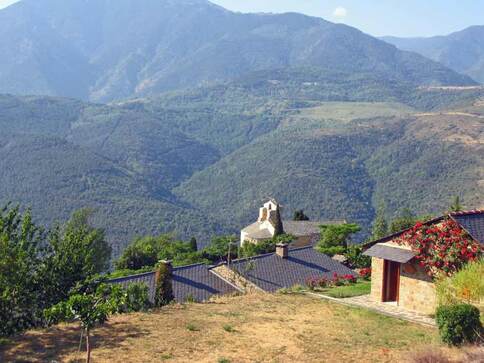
[254, 328]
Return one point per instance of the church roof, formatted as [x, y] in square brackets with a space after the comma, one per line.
[295, 228]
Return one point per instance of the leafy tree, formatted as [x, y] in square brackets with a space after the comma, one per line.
[78, 252]
[404, 220]
[140, 253]
[22, 246]
[356, 259]
[89, 308]
[179, 252]
[456, 205]
[300, 216]
[337, 235]
[220, 248]
[147, 251]
[380, 225]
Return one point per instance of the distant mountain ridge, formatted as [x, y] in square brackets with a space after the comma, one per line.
[103, 50]
[462, 51]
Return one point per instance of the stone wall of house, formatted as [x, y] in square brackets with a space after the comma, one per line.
[376, 278]
[236, 279]
[417, 290]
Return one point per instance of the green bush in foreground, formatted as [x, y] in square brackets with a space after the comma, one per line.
[465, 286]
[137, 297]
[458, 324]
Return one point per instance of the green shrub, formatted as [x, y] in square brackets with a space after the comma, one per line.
[331, 251]
[137, 297]
[465, 286]
[228, 328]
[458, 324]
[164, 289]
[356, 259]
[192, 327]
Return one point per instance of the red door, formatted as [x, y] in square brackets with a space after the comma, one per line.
[391, 280]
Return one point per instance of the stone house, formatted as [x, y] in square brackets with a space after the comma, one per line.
[398, 279]
[270, 224]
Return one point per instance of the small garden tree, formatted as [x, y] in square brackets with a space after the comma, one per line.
[89, 308]
[334, 238]
[441, 248]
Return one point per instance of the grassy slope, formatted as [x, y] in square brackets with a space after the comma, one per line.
[264, 328]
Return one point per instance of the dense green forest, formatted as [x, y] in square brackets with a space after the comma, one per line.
[200, 162]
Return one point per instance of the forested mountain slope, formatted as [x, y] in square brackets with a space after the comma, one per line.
[200, 162]
[102, 50]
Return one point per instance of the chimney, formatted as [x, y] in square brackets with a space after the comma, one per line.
[168, 264]
[282, 250]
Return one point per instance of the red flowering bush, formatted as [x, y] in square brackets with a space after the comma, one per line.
[349, 279]
[365, 273]
[441, 248]
[339, 280]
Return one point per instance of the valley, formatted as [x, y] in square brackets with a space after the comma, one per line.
[199, 163]
[162, 129]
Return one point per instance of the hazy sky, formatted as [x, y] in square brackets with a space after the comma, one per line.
[376, 17]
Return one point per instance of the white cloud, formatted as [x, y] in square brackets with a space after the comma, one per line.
[5, 3]
[340, 12]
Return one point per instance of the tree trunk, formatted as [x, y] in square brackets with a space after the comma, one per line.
[88, 347]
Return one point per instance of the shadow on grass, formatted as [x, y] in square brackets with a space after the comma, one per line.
[53, 343]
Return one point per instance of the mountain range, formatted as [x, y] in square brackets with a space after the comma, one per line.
[104, 50]
[462, 51]
[208, 112]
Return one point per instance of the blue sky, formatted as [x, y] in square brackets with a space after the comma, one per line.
[376, 17]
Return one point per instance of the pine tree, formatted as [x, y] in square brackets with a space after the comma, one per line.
[193, 244]
[380, 225]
